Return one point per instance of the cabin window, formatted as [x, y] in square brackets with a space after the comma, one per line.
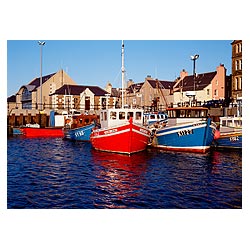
[130, 114]
[173, 113]
[113, 115]
[238, 123]
[121, 115]
[152, 116]
[138, 115]
[182, 113]
[230, 123]
[189, 113]
[105, 116]
[203, 113]
[224, 123]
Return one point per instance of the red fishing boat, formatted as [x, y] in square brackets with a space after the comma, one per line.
[42, 132]
[121, 131]
[55, 128]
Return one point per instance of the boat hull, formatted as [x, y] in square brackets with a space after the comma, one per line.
[78, 134]
[17, 131]
[42, 132]
[229, 141]
[192, 137]
[125, 139]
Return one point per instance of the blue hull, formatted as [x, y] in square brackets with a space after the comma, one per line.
[79, 134]
[229, 141]
[17, 131]
[191, 137]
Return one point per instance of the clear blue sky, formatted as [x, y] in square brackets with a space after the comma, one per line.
[95, 62]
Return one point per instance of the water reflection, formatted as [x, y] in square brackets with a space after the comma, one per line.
[118, 178]
[52, 173]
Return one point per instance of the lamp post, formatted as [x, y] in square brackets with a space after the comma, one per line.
[41, 44]
[194, 58]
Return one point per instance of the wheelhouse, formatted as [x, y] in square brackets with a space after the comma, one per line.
[187, 112]
[115, 117]
[181, 115]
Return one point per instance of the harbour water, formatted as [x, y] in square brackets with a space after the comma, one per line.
[54, 173]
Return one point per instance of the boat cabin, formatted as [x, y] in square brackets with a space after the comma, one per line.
[77, 121]
[116, 117]
[150, 118]
[230, 124]
[180, 115]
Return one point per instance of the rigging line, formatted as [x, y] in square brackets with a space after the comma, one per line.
[118, 75]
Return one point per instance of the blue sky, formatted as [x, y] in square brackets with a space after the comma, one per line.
[95, 62]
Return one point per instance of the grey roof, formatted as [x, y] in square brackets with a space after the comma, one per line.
[134, 87]
[78, 89]
[32, 86]
[11, 98]
[201, 81]
[162, 84]
[36, 81]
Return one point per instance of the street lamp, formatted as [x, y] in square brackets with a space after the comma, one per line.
[194, 58]
[41, 44]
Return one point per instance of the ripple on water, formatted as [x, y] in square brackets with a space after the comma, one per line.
[53, 173]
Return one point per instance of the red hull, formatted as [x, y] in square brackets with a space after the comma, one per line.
[42, 132]
[125, 139]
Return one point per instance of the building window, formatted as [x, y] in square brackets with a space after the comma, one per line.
[236, 83]
[27, 105]
[240, 47]
[215, 92]
[239, 83]
[236, 65]
[52, 88]
[26, 95]
[207, 91]
[67, 103]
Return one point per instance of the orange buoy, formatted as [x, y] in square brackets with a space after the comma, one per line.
[216, 134]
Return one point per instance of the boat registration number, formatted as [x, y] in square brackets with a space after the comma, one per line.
[79, 133]
[185, 132]
[110, 131]
[234, 138]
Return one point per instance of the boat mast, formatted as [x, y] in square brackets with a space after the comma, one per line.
[123, 74]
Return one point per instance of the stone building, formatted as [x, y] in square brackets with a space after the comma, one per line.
[150, 94]
[83, 98]
[205, 87]
[236, 69]
[29, 96]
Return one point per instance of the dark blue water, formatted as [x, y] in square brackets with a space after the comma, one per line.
[53, 173]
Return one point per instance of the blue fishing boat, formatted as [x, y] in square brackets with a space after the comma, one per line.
[79, 128]
[229, 134]
[188, 129]
[79, 134]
